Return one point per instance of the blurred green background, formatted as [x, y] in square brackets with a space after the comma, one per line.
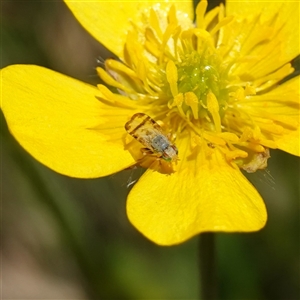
[66, 238]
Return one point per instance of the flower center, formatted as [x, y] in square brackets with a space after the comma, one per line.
[199, 73]
[197, 83]
[181, 74]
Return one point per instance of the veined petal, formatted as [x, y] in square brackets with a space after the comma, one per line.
[281, 105]
[202, 195]
[109, 21]
[61, 123]
[289, 142]
[287, 22]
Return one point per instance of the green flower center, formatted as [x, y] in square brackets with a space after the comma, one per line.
[200, 73]
[193, 79]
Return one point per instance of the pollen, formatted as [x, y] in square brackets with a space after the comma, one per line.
[201, 82]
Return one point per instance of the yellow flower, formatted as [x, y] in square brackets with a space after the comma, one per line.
[214, 85]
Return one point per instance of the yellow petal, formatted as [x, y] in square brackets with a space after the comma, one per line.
[289, 141]
[61, 123]
[109, 21]
[203, 195]
[282, 105]
[288, 18]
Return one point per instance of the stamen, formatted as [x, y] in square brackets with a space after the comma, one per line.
[112, 64]
[222, 23]
[214, 139]
[192, 100]
[154, 23]
[229, 136]
[213, 108]
[234, 153]
[172, 77]
[111, 81]
[211, 15]
[172, 18]
[200, 11]
[177, 102]
[252, 146]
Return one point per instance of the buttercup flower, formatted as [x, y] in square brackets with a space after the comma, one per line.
[214, 86]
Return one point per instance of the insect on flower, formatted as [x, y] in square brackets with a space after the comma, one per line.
[150, 134]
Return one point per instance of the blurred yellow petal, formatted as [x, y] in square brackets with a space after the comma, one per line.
[287, 22]
[109, 21]
[61, 123]
[200, 196]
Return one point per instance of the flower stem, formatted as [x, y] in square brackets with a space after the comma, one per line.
[207, 265]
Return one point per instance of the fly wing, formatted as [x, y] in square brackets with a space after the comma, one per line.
[144, 129]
